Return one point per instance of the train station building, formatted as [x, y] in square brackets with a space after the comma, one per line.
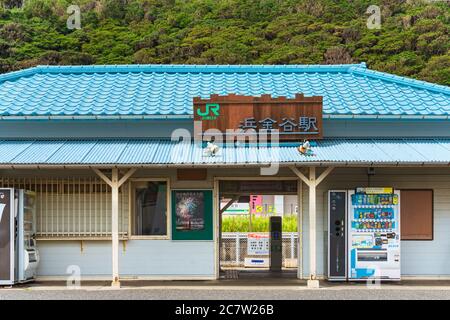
[139, 170]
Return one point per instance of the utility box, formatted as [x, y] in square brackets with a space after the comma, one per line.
[276, 244]
[337, 235]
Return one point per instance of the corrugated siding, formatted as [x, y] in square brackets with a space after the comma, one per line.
[165, 152]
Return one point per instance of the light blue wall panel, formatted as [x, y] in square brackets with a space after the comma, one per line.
[57, 256]
[164, 128]
[139, 258]
[91, 129]
[165, 258]
[386, 128]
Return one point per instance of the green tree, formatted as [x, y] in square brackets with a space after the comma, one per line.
[413, 39]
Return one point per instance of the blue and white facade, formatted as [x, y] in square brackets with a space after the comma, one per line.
[62, 126]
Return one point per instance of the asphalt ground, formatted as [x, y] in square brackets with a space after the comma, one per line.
[229, 290]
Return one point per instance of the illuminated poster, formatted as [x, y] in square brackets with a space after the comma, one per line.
[190, 213]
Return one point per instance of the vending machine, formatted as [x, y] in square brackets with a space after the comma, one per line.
[374, 234]
[368, 222]
[19, 256]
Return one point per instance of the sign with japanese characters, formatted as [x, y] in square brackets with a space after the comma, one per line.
[307, 125]
[295, 118]
[257, 244]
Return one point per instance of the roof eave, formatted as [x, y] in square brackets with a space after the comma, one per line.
[222, 165]
[97, 117]
[384, 117]
[190, 116]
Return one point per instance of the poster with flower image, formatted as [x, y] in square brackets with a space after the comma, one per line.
[190, 213]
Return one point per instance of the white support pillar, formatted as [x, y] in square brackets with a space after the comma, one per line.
[115, 226]
[312, 281]
[312, 183]
[115, 184]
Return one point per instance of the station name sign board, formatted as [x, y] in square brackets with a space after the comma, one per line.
[293, 119]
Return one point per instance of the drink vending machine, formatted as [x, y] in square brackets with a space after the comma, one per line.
[19, 256]
[372, 234]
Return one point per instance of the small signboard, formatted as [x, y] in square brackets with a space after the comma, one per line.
[237, 116]
[375, 190]
[255, 204]
[257, 244]
[256, 262]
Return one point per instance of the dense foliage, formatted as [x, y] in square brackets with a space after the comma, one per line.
[413, 39]
[256, 224]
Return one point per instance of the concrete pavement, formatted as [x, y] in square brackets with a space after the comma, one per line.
[229, 290]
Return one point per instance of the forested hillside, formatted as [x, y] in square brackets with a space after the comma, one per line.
[413, 39]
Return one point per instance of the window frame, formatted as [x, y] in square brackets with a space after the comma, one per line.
[432, 214]
[132, 182]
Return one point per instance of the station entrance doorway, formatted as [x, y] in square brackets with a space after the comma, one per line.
[260, 228]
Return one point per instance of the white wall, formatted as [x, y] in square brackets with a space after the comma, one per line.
[142, 258]
[418, 258]
[156, 258]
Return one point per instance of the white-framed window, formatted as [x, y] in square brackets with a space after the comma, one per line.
[149, 208]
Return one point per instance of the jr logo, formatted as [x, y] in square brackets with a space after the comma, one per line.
[211, 111]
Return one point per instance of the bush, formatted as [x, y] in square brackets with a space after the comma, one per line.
[413, 39]
[259, 224]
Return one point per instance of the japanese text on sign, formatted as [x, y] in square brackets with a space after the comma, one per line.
[304, 124]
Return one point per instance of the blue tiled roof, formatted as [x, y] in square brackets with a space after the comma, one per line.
[167, 90]
[156, 152]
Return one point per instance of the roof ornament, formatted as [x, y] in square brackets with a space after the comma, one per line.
[305, 148]
[211, 150]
